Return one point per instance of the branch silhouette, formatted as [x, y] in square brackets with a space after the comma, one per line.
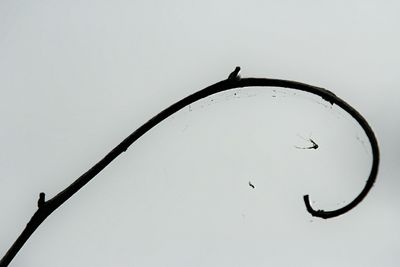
[46, 207]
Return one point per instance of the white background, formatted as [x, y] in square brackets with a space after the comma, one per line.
[76, 77]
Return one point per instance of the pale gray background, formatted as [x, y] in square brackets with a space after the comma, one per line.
[76, 77]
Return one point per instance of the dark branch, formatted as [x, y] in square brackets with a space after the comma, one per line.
[47, 207]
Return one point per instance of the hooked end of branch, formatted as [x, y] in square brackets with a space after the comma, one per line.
[316, 213]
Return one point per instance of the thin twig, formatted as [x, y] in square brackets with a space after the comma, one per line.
[47, 207]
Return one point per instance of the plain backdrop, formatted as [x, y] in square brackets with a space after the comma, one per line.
[76, 77]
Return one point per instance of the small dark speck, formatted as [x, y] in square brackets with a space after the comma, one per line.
[235, 94]
[251, 185]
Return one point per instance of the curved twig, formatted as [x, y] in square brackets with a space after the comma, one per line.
[45, 208]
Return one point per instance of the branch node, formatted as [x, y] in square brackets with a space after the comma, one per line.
[329, 97]
[234, 76]
[41, 200]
